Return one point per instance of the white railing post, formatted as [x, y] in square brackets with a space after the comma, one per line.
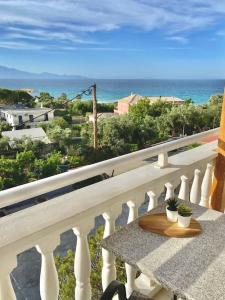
[82, 262]
[130, 271]
[153, 200]
[49, 283]
[162, 160]
[184, 189]
[206, 186]
[169, 191]
[109, 266]
[7, 265]
[195, 193]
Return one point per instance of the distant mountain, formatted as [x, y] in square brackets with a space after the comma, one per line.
[11, 73]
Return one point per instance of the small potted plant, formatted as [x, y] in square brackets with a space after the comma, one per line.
[171, 210]
[184, 215]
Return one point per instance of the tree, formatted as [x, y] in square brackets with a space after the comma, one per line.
[48, 167]
[46, 100]
[216, 99]
[10, 97]
[4, 126]
[1, 183]
[79, 107]
[59, 135]
[4, 144]
[11, 173]
[26, 144]
[63, 98]
[180, 120]
[145, 108]
[120, 135]
[58, 121]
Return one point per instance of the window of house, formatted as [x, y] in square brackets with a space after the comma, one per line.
[31, 118]
[20, 119]
[46, 117]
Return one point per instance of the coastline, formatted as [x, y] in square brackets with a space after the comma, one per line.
[110, 90]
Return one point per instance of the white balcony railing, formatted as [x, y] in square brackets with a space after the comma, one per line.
[42, 225]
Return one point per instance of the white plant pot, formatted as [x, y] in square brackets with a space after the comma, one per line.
[171, 215]
[184, 221]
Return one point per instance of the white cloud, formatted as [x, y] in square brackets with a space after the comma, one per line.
[179, 39]
[74, 22]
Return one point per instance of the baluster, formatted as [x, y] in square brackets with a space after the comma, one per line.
[130, 271]
[109, 267]
[82, 262]
[169, 191]
[195, 193]
[206, 186]
[7, 265]
[184, 189]
[49, 283]
[153, 200]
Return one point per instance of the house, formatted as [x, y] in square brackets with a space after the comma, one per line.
[29, 117]
[31, 133]
[125, 103]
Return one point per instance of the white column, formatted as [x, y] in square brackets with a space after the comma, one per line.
[195, 193]
[206, 186]
[49, 283]
[162, 160]
[169, 191]
[153, 200]
[130, 271]
[184, 189]
[82, 262]
[109, 266]
[7, 265]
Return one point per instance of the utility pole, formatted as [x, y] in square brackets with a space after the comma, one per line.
[95, 126]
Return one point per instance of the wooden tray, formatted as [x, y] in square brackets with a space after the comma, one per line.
[158, 223]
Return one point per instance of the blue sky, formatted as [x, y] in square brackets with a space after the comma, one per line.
[115, 38]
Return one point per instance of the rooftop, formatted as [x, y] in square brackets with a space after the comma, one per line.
[134, 98]
[36, 133]
[12, 109]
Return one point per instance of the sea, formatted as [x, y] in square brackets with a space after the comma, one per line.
[110, 90]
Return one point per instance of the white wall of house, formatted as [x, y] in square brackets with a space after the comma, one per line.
[31, 116]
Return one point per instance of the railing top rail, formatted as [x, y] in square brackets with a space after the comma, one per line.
[42, 186]
[64, 212]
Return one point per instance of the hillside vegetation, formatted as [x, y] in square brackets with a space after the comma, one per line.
[9, 97]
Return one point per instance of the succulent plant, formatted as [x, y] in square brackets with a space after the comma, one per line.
[172, 204]
[184, 210]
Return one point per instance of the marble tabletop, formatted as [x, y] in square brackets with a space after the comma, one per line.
[193, 268]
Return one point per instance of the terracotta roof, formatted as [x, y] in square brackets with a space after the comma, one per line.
[133, 98]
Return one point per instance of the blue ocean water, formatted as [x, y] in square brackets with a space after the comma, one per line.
[109, 90]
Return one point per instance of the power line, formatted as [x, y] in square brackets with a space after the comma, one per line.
[86, 92]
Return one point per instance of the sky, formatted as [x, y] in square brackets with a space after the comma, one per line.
[115, 38]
